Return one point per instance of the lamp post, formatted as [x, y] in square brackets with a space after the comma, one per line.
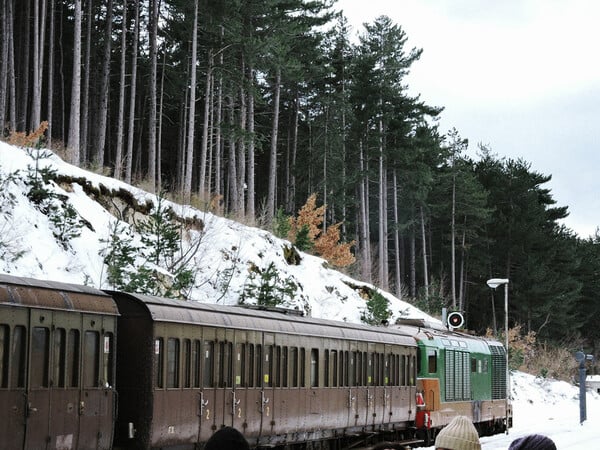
[494, 283]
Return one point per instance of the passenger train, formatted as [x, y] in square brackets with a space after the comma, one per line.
[82, 368]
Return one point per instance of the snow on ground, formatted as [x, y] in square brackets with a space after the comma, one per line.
[226, 251]
[551, 408]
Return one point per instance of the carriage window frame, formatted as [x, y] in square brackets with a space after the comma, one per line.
[314, 367]
[4, 355]
[159, 346]
[73, 358]
[40, 358]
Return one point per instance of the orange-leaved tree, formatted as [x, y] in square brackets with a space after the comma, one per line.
[308, 225]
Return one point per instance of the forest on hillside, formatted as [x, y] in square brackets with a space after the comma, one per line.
[249, 107]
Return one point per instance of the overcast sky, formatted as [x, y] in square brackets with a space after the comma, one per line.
[521, 76]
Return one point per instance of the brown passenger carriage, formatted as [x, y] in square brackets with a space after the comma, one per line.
[189, 368]
[56, 365]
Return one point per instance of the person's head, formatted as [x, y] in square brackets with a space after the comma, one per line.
[459, 434]
[533, 442]
[227, 438]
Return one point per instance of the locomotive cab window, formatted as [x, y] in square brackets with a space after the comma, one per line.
[432, 361]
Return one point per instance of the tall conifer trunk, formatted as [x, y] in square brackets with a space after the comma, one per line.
[271, 193]
[73, 142]
[153, 32]
[118, 173]
[132, 93]
[104, 85]
[189, 157]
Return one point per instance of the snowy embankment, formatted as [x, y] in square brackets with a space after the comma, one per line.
[226, 251]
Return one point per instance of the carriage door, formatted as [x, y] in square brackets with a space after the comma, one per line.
[239, 401]
[95, 407]
[13, 351]
[267, 400]
[223, 398]
[207, 410]
[64, 379]
[37, 407]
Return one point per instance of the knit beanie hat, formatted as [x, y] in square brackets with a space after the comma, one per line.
[459, 434]
[227, 438]
[533, 442]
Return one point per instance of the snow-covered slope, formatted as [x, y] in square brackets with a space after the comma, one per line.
[226, 249]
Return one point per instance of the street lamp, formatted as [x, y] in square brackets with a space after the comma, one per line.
[494, 283]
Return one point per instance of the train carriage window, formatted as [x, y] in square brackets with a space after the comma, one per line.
[240, 364]
[294, 366]
[17, 357]
[73, 358]
[284, 367]
[334, 368]
[268, 366]
[159, 355]
[314, 367]
[403, 370]
[474, 365]
[485, 366]
[40, 357]
[196, 366]
[359, 369]
[386, 370]
[208, 366]
[369, 369]
[412, 374]
[258, 365]
[225, 378]
[91, 357]
[326, 375]
[396, 370]
[343, 365]
[4, 352]
[251, 364]
[187, 363]
[60, 355]
[172, 363]
[302, 367]
[352, 369]
[277, 366]
[108, 359]
[432, 361]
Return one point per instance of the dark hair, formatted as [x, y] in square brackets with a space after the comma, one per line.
[533, 442]
[227, 438]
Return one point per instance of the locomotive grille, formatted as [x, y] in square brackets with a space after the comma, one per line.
[458, 375]
[498, 372]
